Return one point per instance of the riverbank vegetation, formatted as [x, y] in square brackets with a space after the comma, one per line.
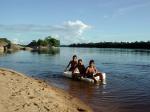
[4, 41]
[132, 45]
[47, 42]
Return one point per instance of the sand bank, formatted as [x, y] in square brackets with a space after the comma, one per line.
[19, 93]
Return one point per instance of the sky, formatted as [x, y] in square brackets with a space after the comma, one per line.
[75, 21]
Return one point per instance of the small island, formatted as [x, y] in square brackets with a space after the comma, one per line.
[42, 44]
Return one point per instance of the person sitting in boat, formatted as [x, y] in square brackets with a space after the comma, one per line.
[91, 71]
[79, 69]
[73, 63]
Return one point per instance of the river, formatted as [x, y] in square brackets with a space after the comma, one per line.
[128, 75]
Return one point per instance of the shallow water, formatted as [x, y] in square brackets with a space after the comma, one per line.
[128, 75]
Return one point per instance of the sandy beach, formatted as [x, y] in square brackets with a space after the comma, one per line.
[19, 93]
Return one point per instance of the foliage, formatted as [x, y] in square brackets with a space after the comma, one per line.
[48, 41]
[4, 40]
[52, 41]
[133, 45]
[33, 43]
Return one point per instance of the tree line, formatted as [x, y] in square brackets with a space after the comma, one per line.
[48, 41]
[132, 45]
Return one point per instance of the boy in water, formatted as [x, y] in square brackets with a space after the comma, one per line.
[73, 63]
[79, 69]
[91, 71]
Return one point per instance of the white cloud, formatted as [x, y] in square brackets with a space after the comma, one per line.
[71, 31]
[105, 16]
[17, 41]
[76, 26]
[68, 32]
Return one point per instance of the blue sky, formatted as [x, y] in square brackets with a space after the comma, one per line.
[74, 21]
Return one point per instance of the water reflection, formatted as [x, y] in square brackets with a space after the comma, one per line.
[52, 51]
[7, 52]
[87, 90]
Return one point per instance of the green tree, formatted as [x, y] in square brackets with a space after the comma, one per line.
[48, 41]
[52, 41]
[44, 43]
[33, 43]
[40, 42]
[5, 40]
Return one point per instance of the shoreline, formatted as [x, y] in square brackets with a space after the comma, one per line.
[20, 93]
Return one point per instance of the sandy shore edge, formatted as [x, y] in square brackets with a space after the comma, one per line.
[19, 93]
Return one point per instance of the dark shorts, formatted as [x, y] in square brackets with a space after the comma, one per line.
[90, 76]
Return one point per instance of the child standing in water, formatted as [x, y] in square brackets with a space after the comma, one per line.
[91, 71]
[73, 63]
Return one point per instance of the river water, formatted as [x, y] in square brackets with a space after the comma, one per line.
[128, 75]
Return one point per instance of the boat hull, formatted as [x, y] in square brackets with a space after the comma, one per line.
[69, 75]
